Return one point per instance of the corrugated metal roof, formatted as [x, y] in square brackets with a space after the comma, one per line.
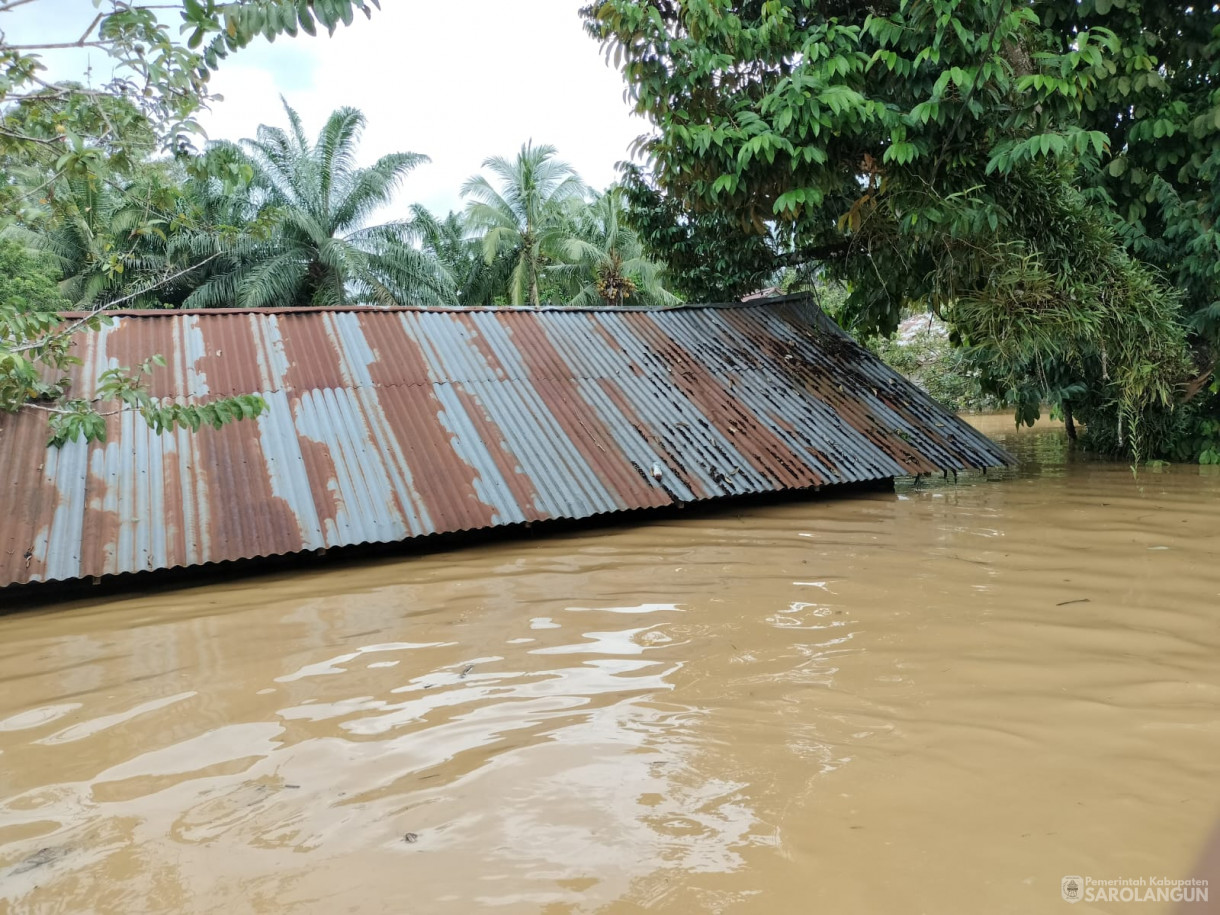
[388, 424]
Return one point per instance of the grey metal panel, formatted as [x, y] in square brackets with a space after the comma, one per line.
[388, 424]
[281, 444]
[490, 485]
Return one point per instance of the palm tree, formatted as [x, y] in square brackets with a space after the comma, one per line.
[81, 241]
[109, 240]
[603, 261]
[460, 255]
[320, 250]
[523, 218]
[224, 225]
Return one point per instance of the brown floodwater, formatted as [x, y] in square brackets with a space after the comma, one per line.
[942, 700]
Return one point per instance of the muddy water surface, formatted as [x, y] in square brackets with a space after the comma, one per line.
[938, 701]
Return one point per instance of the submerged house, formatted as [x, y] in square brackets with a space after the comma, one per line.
[386, 425]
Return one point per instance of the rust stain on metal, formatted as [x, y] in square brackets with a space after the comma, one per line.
[311, 360]
[389, 424]
[323, 484]
[246, 511]
[399, 357]
[519, 484]
[447, 484]
[766, 452]
[481, 346]
[229, 355]
[581, 425]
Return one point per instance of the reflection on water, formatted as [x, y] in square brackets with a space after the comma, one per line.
[941, 700]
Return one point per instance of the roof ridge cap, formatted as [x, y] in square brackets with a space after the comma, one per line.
[444, 309]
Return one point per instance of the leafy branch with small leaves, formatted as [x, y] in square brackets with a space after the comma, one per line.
[36, 364]
[69, 152]
[896, 146]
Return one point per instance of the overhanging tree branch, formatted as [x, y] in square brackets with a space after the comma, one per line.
[102, 308]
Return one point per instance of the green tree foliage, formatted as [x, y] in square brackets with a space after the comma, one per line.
[108, 237]
[27, 280]
[902, 144]
[602, 261]
[60, 139]
[711, 256]
[1160, 110]
[459, 252]
[35, 359]
[927, 358]
[321, 250]
[522, 215]
[121, 140]
[151, 66]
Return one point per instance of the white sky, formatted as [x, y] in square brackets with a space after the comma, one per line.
[458, 81]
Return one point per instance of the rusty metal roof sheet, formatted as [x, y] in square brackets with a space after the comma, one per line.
[388, 424]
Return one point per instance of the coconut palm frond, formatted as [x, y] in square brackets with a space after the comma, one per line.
[314, 203]
[336, 148]
[220, 290]
[277, 282]
[456, 246]
[525, 213]
[409, 276]
[603, 261]
[371, 188]
[300, 141]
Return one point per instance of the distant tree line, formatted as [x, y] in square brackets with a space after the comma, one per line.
[1040, 174]
[283, 220]
[108, 200]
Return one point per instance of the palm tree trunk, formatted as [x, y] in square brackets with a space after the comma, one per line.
[1069, 423]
